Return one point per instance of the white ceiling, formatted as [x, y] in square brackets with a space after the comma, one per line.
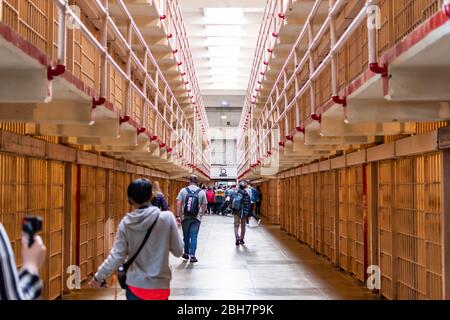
[222, 36]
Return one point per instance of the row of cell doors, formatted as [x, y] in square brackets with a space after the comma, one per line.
[401, 233]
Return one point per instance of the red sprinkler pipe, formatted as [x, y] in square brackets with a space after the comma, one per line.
[124, 119]
[338, 100]
[301, 129]
[376, 68]
[54, 72]
[98, 102]
[447, 9]
[316, 117]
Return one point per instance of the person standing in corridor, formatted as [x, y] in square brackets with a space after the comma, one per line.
[191, 205]
[210, 198]
[259, 198]
[240, 205]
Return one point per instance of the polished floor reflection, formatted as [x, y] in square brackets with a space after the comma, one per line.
[271, 265]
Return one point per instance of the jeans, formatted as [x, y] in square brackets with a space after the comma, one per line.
[190, 233]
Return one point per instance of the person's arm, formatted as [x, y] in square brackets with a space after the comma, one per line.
[180, 198]
[118, 254]
[25, 285]
[176, 243]
[203, 202]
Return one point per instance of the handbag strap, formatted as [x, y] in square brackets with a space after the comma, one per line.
[131, 260]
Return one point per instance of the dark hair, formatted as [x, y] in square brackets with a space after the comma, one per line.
[140, 191]
[242, 185]
[193, 179]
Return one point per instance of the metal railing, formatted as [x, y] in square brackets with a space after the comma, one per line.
[173, 112]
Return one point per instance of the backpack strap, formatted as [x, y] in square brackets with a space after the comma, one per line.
[131, 260]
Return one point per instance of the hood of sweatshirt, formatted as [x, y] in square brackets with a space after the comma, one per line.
[141, 219]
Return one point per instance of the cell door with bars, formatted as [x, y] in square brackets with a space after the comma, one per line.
[356, 220]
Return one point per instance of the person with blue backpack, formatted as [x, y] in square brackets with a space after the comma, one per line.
[191, 205]
[253, 201]
[240, 205]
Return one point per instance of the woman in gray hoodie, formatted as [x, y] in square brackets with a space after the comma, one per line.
[148, 278]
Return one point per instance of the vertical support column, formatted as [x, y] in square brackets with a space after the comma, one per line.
[77, 214]
[367, 247]
[336, 219]
[311, 69]
[128, 102]
[68, 223]
[107, 227]
[144, 121]
[103, 65]
[394, 263]
[445, 191]
[372, 213]
[1, 10]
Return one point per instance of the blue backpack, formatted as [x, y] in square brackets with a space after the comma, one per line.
[254, 197]
[236, 203]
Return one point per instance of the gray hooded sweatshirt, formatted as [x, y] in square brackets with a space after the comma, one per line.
[151, 268]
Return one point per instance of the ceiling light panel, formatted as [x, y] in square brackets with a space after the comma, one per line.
[222, 13]
[224, 51]
[223, 41]
[223, 30]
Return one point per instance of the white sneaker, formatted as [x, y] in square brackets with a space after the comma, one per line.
[259, 222]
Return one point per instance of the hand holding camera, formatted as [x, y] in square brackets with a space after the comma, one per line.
[33, 248]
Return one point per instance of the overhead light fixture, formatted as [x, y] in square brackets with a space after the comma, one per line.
[224, 117]
[224, 51]
[223, 30]
[223, 13]
[223, 41]
[232, 70]
[224, 62]
[224, 103]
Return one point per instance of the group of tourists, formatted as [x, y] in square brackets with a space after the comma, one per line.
[144, 239]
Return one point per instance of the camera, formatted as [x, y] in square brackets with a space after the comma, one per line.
[31, 226]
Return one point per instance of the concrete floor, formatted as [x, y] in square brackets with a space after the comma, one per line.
[272, 265]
